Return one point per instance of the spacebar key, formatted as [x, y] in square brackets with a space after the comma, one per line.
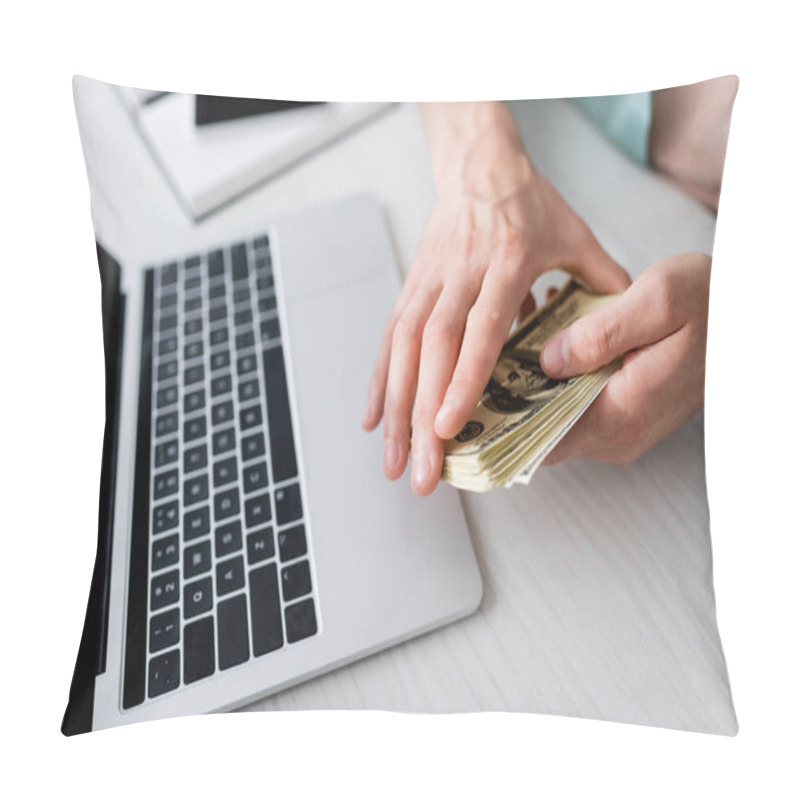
[281, 437]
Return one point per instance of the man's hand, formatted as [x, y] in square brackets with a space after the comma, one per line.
[496, 227]
[660, 325]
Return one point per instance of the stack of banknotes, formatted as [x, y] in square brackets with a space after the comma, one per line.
[523, 413]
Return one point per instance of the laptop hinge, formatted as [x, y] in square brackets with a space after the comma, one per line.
[91, 659]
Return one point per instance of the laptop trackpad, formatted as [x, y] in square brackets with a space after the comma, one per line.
[407, 559]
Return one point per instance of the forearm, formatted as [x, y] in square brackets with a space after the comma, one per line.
[689, 134]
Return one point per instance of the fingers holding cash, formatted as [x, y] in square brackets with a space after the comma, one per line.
[661, 323]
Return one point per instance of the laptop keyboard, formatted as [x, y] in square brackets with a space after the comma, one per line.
[220, 567]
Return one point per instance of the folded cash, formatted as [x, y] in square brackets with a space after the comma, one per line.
[523, 413]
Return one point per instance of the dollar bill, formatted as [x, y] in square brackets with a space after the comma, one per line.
[524, 413]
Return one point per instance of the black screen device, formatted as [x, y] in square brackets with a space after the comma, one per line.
[210, 109]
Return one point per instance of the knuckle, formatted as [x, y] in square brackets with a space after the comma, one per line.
[484, 318]
[465, 240]
[596, 340]
[664, 294]
[512, 243]
[423, 413]
[439, 328]
[406, 330]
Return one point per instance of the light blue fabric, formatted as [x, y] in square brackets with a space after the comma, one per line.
[624, 118]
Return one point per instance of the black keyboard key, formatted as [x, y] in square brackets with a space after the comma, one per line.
[164, 673]
[216, 313]
[192, 326]
[243, 317]
[257, 510]
[197, 598]
[193, 374]
[216, 264]
[296, 580]
[220, 360]
[216, 292]
[265, 607]
[166, 452]
[301, 622]
[222, 412]
[281, 437]
[245, 364]
[167, 423]
[228, 538]
[167, 323]
[250, 417]
[196, 559]
[194, 401]
[166, 397]
[292, 543]
[239, 262]
[225, 472]
[195, 458]
[195, 490]
[261, 242]
[192, 303]
[165, 484]
[252, 446]
[232, 635]
[169, 274]
[192, 265]
[230, 576]
[165, 630]
[270, 330]
[223, 441]
[226, 504]
[267, 303]
[191, 284]
[165, 552]
[263, 262]
[248, 390]
[222, 384]
[241, 294]
[218, 336]
[255, 477]
[245, 340]
[193, 350]
[196, 523]
[165, 517]
[168, 346]
[164, 590]
[198, 650]
[265, 282]
[260, 546]
[288, 506]
[167, 370]
[194, 429]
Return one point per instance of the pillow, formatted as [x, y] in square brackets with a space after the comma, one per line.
[597, 594]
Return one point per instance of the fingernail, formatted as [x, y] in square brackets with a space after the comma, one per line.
[554, 356]
[422, 469]
[390, 456]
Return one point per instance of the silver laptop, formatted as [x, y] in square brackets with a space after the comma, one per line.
[248, 539]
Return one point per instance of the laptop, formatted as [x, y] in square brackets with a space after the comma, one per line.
[247, 538]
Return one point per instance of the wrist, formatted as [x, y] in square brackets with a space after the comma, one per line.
[476, 150]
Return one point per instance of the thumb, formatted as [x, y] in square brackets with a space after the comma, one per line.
[629, 321]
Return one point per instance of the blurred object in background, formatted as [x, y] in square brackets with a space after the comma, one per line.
[214, 149]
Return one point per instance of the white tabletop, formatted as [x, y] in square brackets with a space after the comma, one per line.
[597, 590]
